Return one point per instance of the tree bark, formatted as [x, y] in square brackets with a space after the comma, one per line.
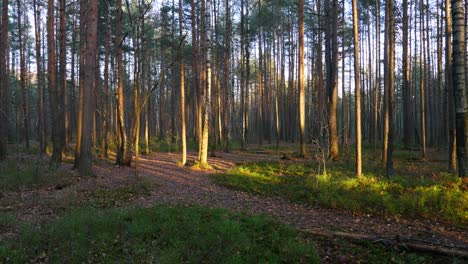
[357, 72]
[56, 158]
[458, 73]
[4, 83]
[85, 158]
[182, 88]
[40, 80]
[302, 152]
[24, 120]
[389, 70]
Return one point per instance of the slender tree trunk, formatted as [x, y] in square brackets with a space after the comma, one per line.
[242, 77]
[40, 82]
[450, 97]
[4, 82]
[357, 86]
[302, 152]
[207, 96]
[227, 77]
[389, 68]
[56, 158]
[377, 81]
[406, 80]
[182, 88]
[105, 100]
[344, 106]
[79, 120]
[260, 79]
[422, 59]
[62, 87]
[24, 123]
[333, 84]
[122, 146]
[459, 86]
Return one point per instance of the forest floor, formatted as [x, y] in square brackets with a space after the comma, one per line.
[159, 180]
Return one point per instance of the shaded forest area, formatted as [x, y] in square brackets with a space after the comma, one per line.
[344, 120]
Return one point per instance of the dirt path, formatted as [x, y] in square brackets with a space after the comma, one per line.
[185, 186]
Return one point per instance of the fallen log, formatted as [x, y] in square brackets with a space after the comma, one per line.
[398, 241]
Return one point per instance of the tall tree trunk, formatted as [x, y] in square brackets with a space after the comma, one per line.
[105, 99]
[376, 100]
[85, 158]
[56, 158]
[344, 106]
[422, 59]
[333, 84]
[206, 46]
[79, 120]
[458, 72]
[389, 68]
[122, 144]
[450, 98]
[357, 86]
[4, 82]
[242, 77]
[227, 78]
[302, 152]
[406, 80]
[62, 87]
[24, 120]
[182, 88]
[40, 80]
[260, 77]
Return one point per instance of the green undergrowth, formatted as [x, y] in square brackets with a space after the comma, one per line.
[438, 196]
[112, 197]
[18, 175]
[158, 235]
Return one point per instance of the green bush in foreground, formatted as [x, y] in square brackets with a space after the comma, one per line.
[29, 174]
[158, 235]
[442, 198]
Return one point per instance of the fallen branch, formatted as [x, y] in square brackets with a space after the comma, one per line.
[399, 241]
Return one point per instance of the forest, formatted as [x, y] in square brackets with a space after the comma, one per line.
[243, 131]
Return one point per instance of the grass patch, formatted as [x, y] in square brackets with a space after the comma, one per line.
[110, 198]
[440, 197]
[7, 222]
[158, 235]
[16, 175]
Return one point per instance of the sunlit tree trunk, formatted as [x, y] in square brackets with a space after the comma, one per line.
[182, 88]
[302, 152]
[449, 89]
[122, 144]
[333, 83]
[207, 96]
[85, 158]
[357, 86]
[389, 71]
